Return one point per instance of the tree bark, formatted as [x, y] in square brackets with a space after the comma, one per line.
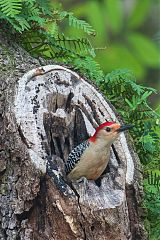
[45, 111]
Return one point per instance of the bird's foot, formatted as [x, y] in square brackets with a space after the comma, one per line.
[84, 180]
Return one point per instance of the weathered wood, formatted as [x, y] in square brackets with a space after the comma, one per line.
[45, 112]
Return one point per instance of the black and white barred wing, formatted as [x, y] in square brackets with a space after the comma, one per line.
[75, 156]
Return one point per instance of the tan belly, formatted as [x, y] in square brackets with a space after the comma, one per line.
[91, 166]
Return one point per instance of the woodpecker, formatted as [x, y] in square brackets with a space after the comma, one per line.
[90, 158]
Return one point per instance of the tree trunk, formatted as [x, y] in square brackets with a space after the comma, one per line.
[44, 113]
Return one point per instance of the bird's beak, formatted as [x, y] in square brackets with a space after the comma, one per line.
[124, 127]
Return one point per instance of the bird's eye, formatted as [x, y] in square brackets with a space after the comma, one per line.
[108, 129]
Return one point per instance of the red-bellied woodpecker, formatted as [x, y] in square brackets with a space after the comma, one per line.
[90, 158]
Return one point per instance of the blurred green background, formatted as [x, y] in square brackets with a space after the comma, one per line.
[128, 36]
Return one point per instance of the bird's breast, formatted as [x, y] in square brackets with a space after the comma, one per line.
[91, 165]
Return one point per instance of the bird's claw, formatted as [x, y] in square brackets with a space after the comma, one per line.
[84, 180]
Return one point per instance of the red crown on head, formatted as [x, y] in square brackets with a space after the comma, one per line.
[105, 124]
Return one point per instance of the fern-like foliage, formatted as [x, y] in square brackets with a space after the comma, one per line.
[152, 178]
[11, 8]
[80, 46]
[90, 68]
[131, 100]
[37, 15]
[45, 7]
[152, 201]
[77, 23]
[56, 47]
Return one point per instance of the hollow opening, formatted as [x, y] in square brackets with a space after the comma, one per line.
[92, 228]
[58, 142]
[52, 148]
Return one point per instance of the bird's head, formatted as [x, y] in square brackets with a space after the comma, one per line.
[109, 131]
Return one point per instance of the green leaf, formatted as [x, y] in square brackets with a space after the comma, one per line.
[77, 23]
[138, 100]
[148, 143]
[37, 19]
[139, 13]
[52, 28]
[45, 5]
[129, 103]
[31, 9]
[143, 49]
[114, 13]
[24, 25]
[81, 24]
[90, 67]
[19, 24]
[146, 95]
[11, 7]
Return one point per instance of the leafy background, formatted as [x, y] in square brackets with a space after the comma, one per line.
[112, 42]
[129, 32]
